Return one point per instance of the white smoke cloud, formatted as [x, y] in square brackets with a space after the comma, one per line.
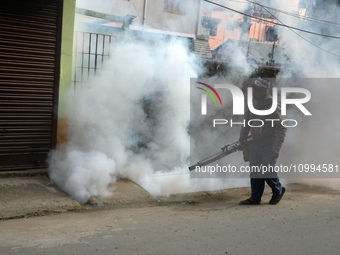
[314, 55]
[315, 139]
[82, 173]
[131, 121]
[309, 56]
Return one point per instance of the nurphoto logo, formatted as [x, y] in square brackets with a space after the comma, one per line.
[238, 104]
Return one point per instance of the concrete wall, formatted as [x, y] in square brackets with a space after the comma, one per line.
[156, 19]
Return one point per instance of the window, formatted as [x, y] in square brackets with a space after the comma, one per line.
[175, 6]
[271, 34]
[211, 24]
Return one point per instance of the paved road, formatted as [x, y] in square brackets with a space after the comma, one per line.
[306, 222]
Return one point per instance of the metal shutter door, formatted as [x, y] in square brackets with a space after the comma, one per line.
[30, 41]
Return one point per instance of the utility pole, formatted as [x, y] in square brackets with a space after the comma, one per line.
[144, 14]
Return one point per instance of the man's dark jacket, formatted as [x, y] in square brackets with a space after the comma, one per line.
[271, 130]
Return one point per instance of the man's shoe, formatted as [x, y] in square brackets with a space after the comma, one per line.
[249, 201]
[276, 199]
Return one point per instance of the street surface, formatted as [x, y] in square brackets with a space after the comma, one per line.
[307, 221]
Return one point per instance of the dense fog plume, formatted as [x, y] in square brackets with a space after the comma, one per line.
[316, 55]
[315, 140]
[131, 121]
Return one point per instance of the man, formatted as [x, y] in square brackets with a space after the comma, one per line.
[265, 147]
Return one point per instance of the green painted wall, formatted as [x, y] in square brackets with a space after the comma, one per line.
[66, 53]
[65, 67]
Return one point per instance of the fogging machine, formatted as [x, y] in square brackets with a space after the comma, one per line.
[225, 151]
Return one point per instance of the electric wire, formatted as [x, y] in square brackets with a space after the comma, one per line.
[293, 14]
[320, 21]
[282, 24]
[272, 22]
[315, 45]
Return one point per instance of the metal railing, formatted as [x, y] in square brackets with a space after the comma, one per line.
[90, 51]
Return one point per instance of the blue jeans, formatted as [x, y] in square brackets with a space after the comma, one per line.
[260, 155]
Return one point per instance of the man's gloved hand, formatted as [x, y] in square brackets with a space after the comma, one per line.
[275, 153]
[243, 140]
